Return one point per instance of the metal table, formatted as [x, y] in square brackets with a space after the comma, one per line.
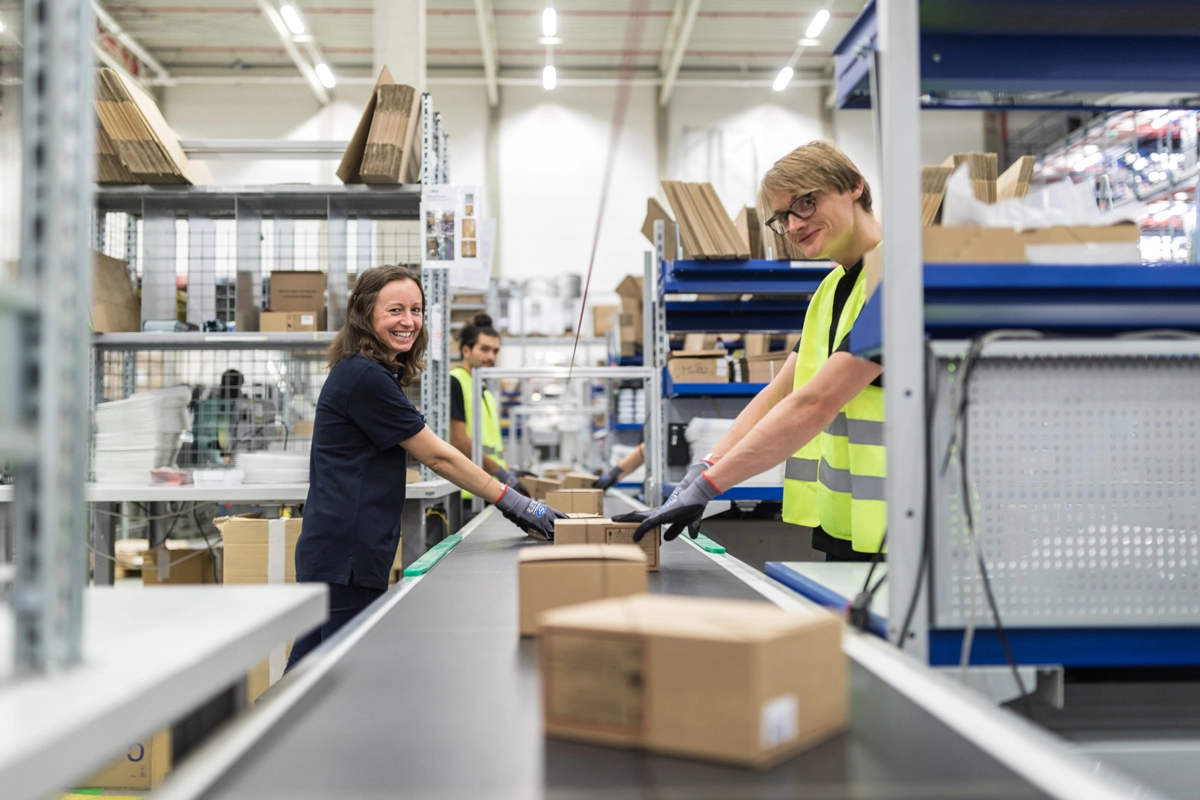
[433, 695]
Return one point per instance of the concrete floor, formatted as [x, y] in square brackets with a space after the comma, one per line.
[757, 540]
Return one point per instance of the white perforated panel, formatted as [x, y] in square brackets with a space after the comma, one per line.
[1085, 471]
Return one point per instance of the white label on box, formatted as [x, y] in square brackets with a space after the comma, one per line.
[779, 721]
[164, 564]
[276, 544]
[307, 319]
[722, 368]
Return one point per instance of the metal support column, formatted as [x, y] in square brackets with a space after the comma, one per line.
[339, 253]
[656, 449]
[158, 264]
[57, 170]
[435, 382]
[202, 269]
[104, 530]
[903, 314]
[428, 142]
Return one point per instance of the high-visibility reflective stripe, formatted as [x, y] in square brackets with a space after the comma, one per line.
[865, 431]
[859, 487]
[838, 426]
[800, 469]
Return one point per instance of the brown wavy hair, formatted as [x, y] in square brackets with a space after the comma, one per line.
[357, 336]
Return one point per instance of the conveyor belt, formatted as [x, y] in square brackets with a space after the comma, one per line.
[440, 700]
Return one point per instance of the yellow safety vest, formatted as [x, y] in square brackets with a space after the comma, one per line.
[493, 444]
[837, 479]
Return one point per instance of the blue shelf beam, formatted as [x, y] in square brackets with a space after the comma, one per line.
[758, 493]
[752, 316]
[754, 276]
[1073, 647]
[821, 594]
[672, 389]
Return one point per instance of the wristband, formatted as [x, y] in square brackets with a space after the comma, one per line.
[716, 488]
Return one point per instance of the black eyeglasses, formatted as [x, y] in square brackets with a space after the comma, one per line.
[802, 207]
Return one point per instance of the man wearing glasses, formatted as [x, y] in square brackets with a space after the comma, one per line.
[823, 413]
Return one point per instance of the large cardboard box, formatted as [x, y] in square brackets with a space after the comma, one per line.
[177, 566]
[538, 488]
[602, 319]
[578, 480]
[764, 368]
[297, 291]
[552, 577]
[577, 501]
[291, 321]
[601, 530]
[143, 766]
[698, 366]
[1007, 246]
[775, 682]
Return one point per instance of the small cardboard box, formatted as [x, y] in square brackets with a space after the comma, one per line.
[775, 681]
[698, 366]
[297, 291]
[755, 344]
[763, 369]
[602, 319]
[555, 473]
[259, 550]
[601, 530]
[538, 488]
[631, 329]
[578, 480]
[291, 321]
[576, 501]
[143, 766]
[631, 293]
[1007, 246]
[552, 577]
[176, 566]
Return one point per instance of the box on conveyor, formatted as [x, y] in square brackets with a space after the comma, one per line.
[578, 480]
[539, 487]
[576, 501]
[735, 681]
[601, 530]
[143, 766]
[552, 577]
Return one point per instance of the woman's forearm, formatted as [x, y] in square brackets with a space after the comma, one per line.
[446, 461]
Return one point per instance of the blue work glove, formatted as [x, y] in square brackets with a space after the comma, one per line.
[609, 478]
[682, 510]
[532, 516]
[510, 479]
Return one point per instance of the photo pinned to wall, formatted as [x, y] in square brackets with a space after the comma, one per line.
[439, 235]
[470, 247]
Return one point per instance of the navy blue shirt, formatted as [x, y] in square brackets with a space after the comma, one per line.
[356, 476]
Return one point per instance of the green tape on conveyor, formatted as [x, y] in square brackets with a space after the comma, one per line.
[709, 545]
[435, 554]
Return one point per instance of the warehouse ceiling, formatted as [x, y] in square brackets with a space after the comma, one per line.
[730, 38]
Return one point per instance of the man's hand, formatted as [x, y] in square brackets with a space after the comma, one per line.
[609, 478]
[510, 479]
[694, 471]
[682, 510]
[531, 516]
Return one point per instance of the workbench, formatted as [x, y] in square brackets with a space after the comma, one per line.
[431, 693]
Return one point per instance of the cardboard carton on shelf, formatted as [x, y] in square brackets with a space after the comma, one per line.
[174, 566]
[602, 319]
[115, 306]
[974, 245]
[601, 530]
[630, 290]
[143, 766]
[698, 366]
[764, 368]
[552, 577]
[576, 501]
[301, 290]
[291, 321]
[775, 682]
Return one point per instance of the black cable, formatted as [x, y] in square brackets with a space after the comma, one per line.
[860, 609]
[931, 396]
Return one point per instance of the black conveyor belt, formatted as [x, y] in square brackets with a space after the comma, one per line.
[440, 700]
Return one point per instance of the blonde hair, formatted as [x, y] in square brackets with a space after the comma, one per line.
[816, 166]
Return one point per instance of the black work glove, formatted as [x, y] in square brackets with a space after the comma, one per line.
[509, 478]
[682, 510]
[609, 478]
[532, 516]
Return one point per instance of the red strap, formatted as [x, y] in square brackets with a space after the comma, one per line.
[716, 488]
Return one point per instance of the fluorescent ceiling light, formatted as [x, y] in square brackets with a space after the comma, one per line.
[784, 78]
[326, 76]
[1087, 161]
[549, 22]
[810, 42]
[549, 78]
[818, 24]
[291, 18]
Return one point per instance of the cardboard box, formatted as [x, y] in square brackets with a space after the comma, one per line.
[297, 291]
[578, 480]
[698, 366]
[577, 501]
[143, 766]
[601, 530]
[755, 344]
[556, 473]
[775, 682]
[654, 213]
[538, 488]
[177, 566]
[764, 368]
[552, 577]
[259, 550]
[291, 321]
[630, 290]
[1006, 246]
[602, 319]
[630, 326]
[115, 306]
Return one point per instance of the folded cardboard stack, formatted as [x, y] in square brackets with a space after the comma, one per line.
[933, 188]
[983, 168]
[141, 139]
[705, 228]
[385, 147]
[1014, 181]
[774, 682]
[109, 167]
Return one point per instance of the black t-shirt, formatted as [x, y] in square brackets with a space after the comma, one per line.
[356, 476]
[841, 294]
[458, 408]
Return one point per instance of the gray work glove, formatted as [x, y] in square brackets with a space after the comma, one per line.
[689, 478]
[510, 479]
[682, 510]
[609, 478]
[531, 516]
